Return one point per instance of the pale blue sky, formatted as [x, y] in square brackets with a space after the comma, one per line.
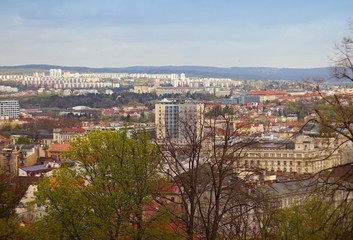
[115, 33]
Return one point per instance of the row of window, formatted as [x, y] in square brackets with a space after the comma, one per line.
[272, 163]
[278, 155]
[284, 169]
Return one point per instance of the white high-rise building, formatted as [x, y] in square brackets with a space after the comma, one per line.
[55, 73]
[9, 108]
[175, 117]
[174, 76]
[182, 76]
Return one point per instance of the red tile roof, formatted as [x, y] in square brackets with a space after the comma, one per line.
[269, 92]
[73, 130]
[4, 139]
[56, 147]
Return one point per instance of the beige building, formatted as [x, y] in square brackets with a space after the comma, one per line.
[12, 158]
[305, 155]
[173, 117]
[142, 89]
[58, 151]
[64, 135]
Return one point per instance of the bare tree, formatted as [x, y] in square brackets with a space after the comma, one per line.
[202, 163]
[330, 204]
[336, 117]
[343, 59]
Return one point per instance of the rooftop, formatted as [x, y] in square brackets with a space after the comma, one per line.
[56, 147]
[73, 130]
[34, 168]
[269, 92]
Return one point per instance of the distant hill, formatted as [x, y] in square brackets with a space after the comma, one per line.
[251, 73]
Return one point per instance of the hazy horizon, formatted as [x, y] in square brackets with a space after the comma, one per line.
[153, 66]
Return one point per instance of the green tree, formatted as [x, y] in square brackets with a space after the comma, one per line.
[6, 127]
[67, 207]
[314, 219]
[9, 198]
[23, 140]
[105, 197]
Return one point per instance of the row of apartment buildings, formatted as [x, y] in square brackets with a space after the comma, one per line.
[72, 83]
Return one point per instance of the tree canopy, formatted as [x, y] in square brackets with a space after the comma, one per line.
[106, 195]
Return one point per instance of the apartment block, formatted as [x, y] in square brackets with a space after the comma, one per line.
[177, 118]
[9, 108]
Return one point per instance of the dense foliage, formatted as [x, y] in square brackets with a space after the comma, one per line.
[10, 196]
[106, 194]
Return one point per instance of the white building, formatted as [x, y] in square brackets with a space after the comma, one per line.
[55, 73]
[9, 108]
[26, 210]
[174, 116]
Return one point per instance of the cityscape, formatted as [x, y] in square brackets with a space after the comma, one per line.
[170, 143]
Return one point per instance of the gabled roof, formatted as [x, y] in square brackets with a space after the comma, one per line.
[289, 187]
[35, 168]
[56, 147]
[73, 130]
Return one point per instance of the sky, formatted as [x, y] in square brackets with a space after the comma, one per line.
[220, 33]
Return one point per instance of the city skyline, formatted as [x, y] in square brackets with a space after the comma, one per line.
[212, 33]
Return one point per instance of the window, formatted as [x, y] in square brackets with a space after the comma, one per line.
[299, 155]
[278, 163]
[291, 163]
[284, 163]
[284, 155]
[291, 155]
[272, 154]
[278, 155]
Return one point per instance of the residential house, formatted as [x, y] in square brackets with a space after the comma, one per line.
[64, 135]
[14, 157]
[57, 151]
